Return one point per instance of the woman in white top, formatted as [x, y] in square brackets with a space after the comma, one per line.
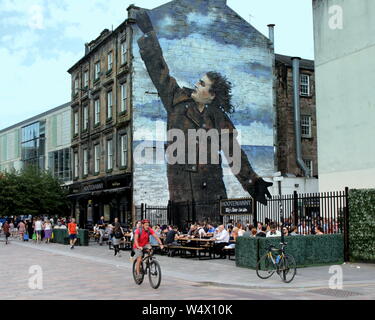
[38, 230]
[47, 230]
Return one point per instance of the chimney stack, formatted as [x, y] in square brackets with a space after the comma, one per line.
[271, 29]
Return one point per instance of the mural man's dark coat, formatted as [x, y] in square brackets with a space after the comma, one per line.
[201, 182]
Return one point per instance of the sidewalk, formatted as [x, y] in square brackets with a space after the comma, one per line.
[220, 272]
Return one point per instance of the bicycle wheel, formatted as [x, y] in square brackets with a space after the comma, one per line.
[154, 274]
[141, 269]
[265, 267]
[287, 268]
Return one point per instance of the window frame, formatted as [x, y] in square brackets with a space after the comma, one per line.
[86, 79]
[85, 162]
[75, 165]
[109, 106]
[109, 155]
[109, 61]
[124, 50]
[97, 71]
[310, 167]
[85, 118]
[302, 93]
[304, 125]
[97, 158]
[123, 106]
[97, 111]
[76, 123]
[124, 149]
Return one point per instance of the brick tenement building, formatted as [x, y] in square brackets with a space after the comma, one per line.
[286, 144]
[101, 129]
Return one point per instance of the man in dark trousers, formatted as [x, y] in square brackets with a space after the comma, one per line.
[204, 108]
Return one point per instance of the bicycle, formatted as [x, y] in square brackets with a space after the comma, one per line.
[283, 264]
[148, 265]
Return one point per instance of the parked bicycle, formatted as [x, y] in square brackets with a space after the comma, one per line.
[276, 260]
[148, 266]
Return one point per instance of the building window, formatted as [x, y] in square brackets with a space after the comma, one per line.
[76, 166]
[110, 61]
[123, 52]
[309, 165]
[109, 105]
[97, 70]
[306, 126]
[124, 150]
[86, 79]
[76, 123]
[85, 162]
[305, 85]
[97, 158]
[76, 86]
[85, 117]
[33, 145]
[59, 164]
[123, 97]
[109, 154]
[97, 111]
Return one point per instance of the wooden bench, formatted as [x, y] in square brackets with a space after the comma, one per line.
[230, 252]
[124, 245]
[182, 250]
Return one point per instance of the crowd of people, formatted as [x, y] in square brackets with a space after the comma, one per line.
[36, 229]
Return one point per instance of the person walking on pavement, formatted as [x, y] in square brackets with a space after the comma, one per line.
[47, 230]
[118, 234]
[101, 225]
[38, 230]
[72, 230]
[6, 228]
[21, 229]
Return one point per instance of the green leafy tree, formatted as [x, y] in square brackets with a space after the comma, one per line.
[32, 191]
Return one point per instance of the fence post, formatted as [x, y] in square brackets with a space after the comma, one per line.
[169, 213]
[346, 227]
[142, 210]
[295, 208]
[193, 212]
[255, 217]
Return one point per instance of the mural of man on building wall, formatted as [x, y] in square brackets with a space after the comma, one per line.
[203, 108]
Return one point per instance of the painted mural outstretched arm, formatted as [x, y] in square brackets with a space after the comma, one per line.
[240, 165]
[152, 56]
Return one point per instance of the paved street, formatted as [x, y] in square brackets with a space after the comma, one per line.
[93, 273]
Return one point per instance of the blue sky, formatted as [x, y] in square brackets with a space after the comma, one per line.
[41, 39]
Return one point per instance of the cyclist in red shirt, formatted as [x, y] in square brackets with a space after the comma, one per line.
[141, 241]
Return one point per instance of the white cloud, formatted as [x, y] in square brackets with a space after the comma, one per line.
[36, 17]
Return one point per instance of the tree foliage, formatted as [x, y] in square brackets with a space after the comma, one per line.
[32, 192]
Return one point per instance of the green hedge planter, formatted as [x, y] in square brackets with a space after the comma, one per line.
[60, 236]
[306, 250]
[362, 225]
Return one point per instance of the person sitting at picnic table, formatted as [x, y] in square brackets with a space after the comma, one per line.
[294, 231]
[200, 232]
[318, 230]
[241, 230]
[210, 229]
[273, 231]
[152, 240]
[172, 237]
[221, 240]
[263, 232]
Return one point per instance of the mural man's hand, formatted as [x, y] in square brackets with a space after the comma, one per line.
[259, 191]
[143, 21]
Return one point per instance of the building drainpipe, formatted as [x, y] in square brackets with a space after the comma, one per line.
[274, 88]
[297, 115]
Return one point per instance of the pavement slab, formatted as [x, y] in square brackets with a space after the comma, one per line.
[93, 273]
